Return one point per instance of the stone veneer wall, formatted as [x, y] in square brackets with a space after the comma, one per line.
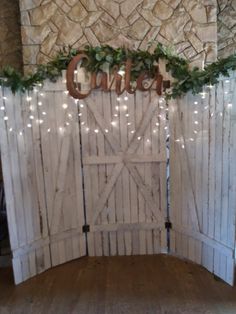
[10, 36]
[226, 27]
[47, 25]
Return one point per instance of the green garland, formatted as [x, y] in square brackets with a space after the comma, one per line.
[186, 79]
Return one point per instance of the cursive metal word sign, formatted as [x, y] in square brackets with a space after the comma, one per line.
[118, 82]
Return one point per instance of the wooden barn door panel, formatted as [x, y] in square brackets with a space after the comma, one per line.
[63, 177]
[42, 178]
[124, 161]
[24, 187]
[203, 205]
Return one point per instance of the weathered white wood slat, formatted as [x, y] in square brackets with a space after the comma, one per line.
[141, 202]
[116, 130]
[112, 245]
[8, 177]
[158, 157]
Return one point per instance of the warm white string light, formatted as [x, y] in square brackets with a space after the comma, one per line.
[64, 106]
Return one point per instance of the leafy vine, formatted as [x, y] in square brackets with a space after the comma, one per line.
[185, 78]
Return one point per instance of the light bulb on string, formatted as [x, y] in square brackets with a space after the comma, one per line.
[203, 94]
[121, 72]
[230, 105]
[106, 130]
[10, 129]
[64, 106]
[40, 103]
[44, 113]
[2, 108]
[126, 98]
[49, 130]
[81, 105]
[29, 125]
[28, 98]
[5, 118]
[96, 131]
[210, 86]
[31, 117]
[4, 98]
[132, 132]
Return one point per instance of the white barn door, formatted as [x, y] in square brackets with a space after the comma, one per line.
[203, 179]
[60, 140]
[24, 187]
[124, 165]
[40, 151]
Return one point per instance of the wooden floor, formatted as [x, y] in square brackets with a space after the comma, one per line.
[140, 284]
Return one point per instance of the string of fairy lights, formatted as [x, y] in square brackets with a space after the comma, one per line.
[37, 114]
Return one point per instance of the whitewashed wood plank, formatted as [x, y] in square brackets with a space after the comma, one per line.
[8, 177]
[15, 166]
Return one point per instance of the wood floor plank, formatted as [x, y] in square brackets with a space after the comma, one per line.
[124, 284]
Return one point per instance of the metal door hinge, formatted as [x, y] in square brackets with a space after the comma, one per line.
[168, 225]
[86, 228]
